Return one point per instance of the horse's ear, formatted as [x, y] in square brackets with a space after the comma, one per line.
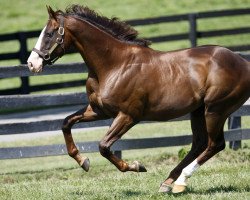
[52, 14]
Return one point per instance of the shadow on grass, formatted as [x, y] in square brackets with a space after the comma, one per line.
[130, 193]
[220, 189]
[126, 193]
[40, 171]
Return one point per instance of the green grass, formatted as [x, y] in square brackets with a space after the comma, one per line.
[224, 177]
[26, 15]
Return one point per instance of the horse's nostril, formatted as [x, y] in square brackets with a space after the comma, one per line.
[30, 65]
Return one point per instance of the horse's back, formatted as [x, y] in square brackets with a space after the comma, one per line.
[191, 77]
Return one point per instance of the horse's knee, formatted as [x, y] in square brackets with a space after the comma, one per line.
[104, 149]
[217, 147]
[221, 146]
[66, 124]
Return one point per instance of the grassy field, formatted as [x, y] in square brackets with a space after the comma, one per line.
[26, 15]
[226, 176]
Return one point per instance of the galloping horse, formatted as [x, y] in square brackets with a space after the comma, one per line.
[130, 82]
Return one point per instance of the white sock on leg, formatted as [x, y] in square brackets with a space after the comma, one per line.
[187, 172]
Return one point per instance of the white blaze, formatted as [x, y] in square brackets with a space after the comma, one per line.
[35, 63]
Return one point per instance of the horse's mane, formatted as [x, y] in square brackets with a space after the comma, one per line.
[113, 26]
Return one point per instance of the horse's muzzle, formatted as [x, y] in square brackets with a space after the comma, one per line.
[34, 69]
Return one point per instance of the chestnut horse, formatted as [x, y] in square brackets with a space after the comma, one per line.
[130, 82]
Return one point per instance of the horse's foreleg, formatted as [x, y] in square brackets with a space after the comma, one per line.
[121, 124]
[199, 144]
[86, 114]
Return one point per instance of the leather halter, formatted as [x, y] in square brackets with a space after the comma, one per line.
[59, 42]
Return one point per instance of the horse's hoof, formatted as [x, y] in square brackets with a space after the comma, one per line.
[178, 189]
[165, 188]
[139, 167]
[85, 163]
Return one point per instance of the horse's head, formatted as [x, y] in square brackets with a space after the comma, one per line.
[51, 43]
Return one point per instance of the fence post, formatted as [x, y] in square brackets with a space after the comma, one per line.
[234, 123]
[192, 29]
[23, 59]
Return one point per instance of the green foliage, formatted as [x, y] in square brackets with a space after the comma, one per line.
[183, 152]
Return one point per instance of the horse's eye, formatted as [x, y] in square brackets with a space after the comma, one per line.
[49, 35]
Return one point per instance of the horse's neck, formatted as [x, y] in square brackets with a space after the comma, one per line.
[98, 49]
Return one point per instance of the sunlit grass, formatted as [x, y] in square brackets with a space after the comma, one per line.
[226, 176]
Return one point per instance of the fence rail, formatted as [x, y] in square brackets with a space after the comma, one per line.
[23, 70]
[121, 145]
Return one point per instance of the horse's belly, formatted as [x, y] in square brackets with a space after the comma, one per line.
[171, 106]
[165, 114]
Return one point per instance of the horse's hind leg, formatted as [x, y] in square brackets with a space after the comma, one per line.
[86, 114]
[121, 124]
[199, 144]
[216, 143]
[218, 108]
